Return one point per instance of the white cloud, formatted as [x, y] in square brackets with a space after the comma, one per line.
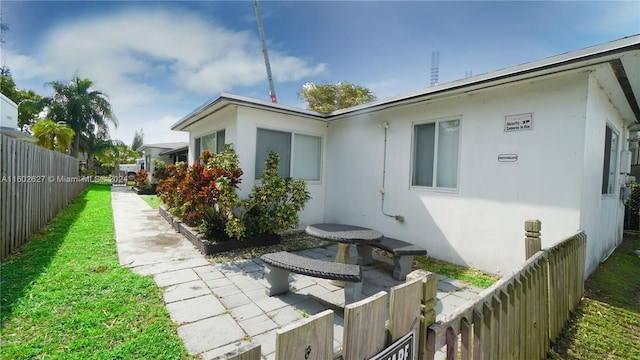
[155, 131]
[198, 56]
[151, 59]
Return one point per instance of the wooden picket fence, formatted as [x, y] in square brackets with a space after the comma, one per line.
[366, 328]
[516, 318]
[35, 184]
[521, 314]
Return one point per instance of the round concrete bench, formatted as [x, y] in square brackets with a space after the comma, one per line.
[279, 265]
[403, 253]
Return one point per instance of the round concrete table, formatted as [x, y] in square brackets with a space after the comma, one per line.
[345, 235]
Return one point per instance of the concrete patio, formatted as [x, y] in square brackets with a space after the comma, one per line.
[219, 307]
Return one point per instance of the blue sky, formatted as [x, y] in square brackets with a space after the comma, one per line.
[159, 60]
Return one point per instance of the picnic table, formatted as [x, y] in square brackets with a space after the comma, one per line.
[344, 235]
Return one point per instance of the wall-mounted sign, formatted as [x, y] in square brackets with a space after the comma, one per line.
[402, 349]
[518, 122]
[508, 158]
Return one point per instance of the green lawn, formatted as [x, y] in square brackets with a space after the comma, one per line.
[64, 294]
[153, 200]
[468, 275]
[606, 324]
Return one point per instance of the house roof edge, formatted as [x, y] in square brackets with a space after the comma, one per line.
[575, 58]
[225, 99]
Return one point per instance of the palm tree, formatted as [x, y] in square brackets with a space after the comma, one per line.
[96, 143]
[53, 135]
[86, 110]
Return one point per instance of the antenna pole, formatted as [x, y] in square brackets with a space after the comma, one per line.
[272, 89]
[435, 67]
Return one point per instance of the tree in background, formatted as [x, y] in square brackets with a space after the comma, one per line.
[53, 135]
[95, 144]
[86, 110]
[7, 85]
[138, 140]
[327, 98]
[29, 103]
[120, 153]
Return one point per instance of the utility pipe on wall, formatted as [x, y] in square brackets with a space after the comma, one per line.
[398, 218]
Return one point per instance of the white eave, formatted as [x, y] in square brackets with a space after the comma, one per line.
[168, 146]
[227, 99]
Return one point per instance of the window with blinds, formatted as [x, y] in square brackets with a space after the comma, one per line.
[300, 154]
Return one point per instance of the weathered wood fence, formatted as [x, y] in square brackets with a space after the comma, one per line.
[35, 184]
[366, 329]
[521, 314]
[516, 318]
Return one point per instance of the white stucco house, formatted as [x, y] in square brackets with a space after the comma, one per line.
[169, 153]
[457, 168]
[9, 120]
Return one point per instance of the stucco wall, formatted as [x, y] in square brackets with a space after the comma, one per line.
[8, 113]
[154, 154]
[481, 223]
[248, 121]
[224, 119]
[603, 215]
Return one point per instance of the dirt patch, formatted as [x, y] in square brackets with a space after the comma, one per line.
[290, 242]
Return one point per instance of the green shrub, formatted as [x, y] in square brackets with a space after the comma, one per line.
[204, 196]
[274, 204]
[169, 177]
[141, 180]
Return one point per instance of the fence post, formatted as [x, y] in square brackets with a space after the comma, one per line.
[310, 338]
[532, 241]
[428, 307]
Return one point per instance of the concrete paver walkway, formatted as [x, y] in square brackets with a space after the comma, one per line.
[219, 307]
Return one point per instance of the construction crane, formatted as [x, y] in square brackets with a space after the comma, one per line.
[272, 89]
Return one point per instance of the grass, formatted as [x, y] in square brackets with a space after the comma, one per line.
[64, 294]
[468, 275]
[606, 324]
[153, 200]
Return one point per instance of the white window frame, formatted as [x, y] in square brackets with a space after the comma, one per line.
[436, 123]
[198, 149]
[612, 174]
[292, 152]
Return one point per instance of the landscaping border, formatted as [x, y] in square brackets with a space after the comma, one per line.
[208, 247]
[139, 191]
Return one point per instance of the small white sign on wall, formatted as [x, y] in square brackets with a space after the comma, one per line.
[518, 122]
[508, 158]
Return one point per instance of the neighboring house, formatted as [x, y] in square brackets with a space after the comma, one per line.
[9, 120]
[457, 168]
[176, 155]
[167, 152]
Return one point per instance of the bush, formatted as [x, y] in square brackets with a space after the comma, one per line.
[274, 204]
[632, 208]
[204, 195]
[142, 180]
